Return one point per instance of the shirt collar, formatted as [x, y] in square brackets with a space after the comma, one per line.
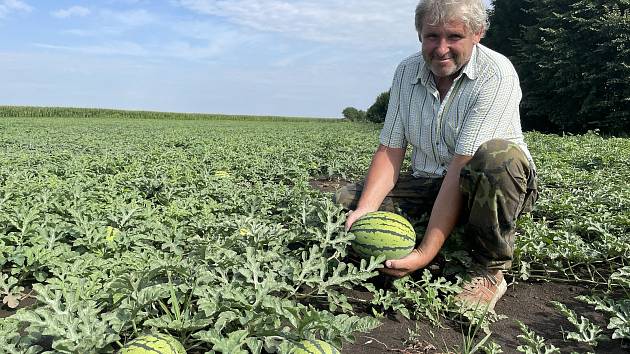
[470, 69]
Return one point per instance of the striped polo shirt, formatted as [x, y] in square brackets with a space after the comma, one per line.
[482, 104]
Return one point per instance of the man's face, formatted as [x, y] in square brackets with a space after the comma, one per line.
[447, 48]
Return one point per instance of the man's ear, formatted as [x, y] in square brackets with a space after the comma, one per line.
[481, 34]
[477, 36]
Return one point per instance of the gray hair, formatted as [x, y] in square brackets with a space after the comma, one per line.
[438, 12]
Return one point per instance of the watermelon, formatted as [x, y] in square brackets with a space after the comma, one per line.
[153, 343]
[382, 232]
[314, 346]
[221, 174]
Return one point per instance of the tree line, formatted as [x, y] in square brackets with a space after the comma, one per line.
[573, 60]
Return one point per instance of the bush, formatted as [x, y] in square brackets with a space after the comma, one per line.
[377, 112]
[354, 115]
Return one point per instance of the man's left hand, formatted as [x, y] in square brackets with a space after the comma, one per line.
[402, 267]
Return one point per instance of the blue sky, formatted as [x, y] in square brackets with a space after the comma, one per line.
[262, 57]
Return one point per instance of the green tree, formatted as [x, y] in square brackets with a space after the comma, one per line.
[354, 115]
[507, 20]
[377, 111]
[574, 64]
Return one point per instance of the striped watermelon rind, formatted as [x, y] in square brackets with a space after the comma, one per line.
[383, 233]
[156, 343]
[314, 346]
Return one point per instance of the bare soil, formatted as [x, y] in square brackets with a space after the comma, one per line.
[527, 302]
[328, 186]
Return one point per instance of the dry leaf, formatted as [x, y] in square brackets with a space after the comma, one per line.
[11, 301]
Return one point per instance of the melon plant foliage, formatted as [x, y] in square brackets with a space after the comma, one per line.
[573, 59]
[149, 238]
[210, 231]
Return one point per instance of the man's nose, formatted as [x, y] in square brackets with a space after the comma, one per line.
[442, 47]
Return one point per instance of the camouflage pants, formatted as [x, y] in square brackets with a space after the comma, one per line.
[498, 186]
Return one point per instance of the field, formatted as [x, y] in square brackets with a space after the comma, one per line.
[221, 232]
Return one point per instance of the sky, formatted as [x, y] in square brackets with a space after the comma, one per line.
[308, 58]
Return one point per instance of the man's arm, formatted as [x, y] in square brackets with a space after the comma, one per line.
[381, 178]
[444, 216]
[387, 159]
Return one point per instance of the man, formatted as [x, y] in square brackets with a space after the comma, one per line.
[457, 104]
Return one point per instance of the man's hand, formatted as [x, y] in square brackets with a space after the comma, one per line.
[402, 267]
[354, 215]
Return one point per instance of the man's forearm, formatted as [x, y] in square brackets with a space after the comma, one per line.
[446, 211]
[381, 177]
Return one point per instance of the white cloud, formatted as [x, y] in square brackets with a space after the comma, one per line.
[176, 49]
[370, 22]
[71, 11]
[132, 18]
[204, 30]
[9, 6]
[126, 2]
[110, 23]
[291, 59]
[110, 48]
[184, 50]
[78, 32]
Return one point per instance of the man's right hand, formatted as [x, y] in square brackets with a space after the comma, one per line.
[354, 215]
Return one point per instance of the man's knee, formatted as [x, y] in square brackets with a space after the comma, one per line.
[348, 196]
[496, 155]
[498, 168]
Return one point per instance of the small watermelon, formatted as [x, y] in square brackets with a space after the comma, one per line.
[153, 343]
[314, 346]
[382, 232]
[221, 174]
